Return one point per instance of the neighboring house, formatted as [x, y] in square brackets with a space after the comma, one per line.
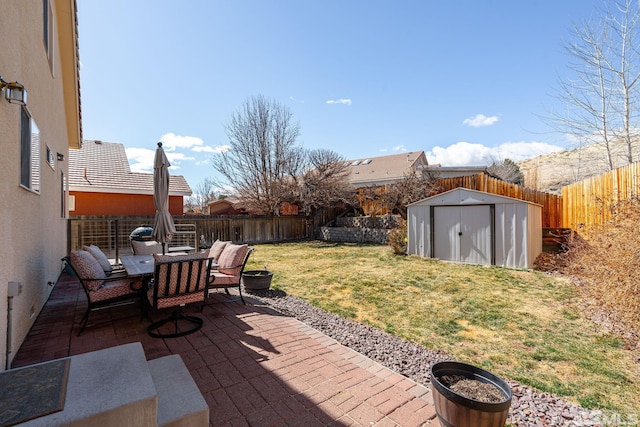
[38, 49]
[378, 171]
[227, 206]
[101, 183]
[232, 205]
[455, 171]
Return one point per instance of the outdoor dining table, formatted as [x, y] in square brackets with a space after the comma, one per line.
[142, 265]
[138, 265]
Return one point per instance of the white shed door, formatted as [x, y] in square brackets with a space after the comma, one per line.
[463, 234]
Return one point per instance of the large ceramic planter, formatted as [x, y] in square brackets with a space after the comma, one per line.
[455, 410]
[257, 280]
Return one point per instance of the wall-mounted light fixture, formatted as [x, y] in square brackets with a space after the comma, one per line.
[60, 157]
[14, 92]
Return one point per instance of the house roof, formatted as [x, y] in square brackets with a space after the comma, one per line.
[384, 169]
[103, 167]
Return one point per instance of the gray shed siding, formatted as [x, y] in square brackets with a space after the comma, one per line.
[516, 232]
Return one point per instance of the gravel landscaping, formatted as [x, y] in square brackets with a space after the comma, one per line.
[528, 408]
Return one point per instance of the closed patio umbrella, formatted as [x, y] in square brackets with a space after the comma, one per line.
[163, 227]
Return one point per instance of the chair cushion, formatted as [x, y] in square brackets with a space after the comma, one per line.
[148, 247]
[216, 249]
[231, 259]
[116, 288]
[221, 280]
[100, 257]
[177, 300]
[88, 268]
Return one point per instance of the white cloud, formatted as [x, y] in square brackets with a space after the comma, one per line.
[209, 149]
[468, 154]
[480, 120]
[339, 101]
[141, 159]
[171, 142]
[399, 148]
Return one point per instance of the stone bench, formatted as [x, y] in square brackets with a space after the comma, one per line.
[118, 387]
[180, 402]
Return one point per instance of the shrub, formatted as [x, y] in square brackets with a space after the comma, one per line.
[398, 238]
[606, 261]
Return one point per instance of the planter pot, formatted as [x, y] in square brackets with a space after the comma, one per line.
[257, 280]
[455, 410]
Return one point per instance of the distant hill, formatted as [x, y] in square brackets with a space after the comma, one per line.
[550, 172]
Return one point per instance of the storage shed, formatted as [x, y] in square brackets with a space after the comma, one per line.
[474, 227]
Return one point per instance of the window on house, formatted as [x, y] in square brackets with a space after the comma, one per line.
[29, 152]
[48, 30]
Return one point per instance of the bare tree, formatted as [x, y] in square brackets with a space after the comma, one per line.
[263, 155]
[324, 182]
[600, 99]
[413, 187]
[506, 170]
[204, 193]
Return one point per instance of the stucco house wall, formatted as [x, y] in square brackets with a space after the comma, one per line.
[34, 222]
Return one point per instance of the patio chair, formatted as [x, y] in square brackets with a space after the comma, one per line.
[179, 280]
[229, 271]
[102, 291]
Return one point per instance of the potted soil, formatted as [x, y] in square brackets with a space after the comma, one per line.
[256, 280]
[467, 396]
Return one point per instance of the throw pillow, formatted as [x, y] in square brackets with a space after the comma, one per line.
[216, 249]
[100, 257]
[88, 268]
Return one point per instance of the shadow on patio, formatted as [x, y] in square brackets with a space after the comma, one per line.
[253, 365]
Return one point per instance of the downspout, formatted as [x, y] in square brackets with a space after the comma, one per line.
[15, 289]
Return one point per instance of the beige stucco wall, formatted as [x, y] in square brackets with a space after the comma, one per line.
[33, 230]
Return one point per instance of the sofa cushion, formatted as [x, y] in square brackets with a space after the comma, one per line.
[88, 268]
[100, 257]
[216, 249]
[231, 259]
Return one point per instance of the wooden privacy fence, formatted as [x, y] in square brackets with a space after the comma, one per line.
[551, 203]
[589, 203]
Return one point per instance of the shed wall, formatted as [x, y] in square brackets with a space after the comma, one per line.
[517, 227]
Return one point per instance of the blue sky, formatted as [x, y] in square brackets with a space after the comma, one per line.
[465, 81]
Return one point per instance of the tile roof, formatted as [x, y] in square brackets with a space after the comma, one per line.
[103, 167]
[384, 169]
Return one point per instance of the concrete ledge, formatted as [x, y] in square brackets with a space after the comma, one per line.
[180, 402]
[110, 387]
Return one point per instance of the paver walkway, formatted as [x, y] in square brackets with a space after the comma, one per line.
[253, 365]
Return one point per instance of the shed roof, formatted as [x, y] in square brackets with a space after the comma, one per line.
[466, 196]
[103, 167]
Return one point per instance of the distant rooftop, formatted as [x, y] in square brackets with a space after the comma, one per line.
[384, 169]
[103, 167]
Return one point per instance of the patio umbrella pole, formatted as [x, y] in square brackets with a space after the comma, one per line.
[163, 227]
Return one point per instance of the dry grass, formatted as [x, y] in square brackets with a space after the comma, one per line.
[606, 261]
[519, 324]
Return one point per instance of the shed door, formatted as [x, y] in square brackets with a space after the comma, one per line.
[463, 233]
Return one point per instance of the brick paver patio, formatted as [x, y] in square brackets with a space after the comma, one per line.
[253, 365]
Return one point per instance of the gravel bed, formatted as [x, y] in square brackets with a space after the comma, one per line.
[528, 407]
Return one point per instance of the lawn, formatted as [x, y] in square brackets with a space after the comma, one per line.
[522, 325]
